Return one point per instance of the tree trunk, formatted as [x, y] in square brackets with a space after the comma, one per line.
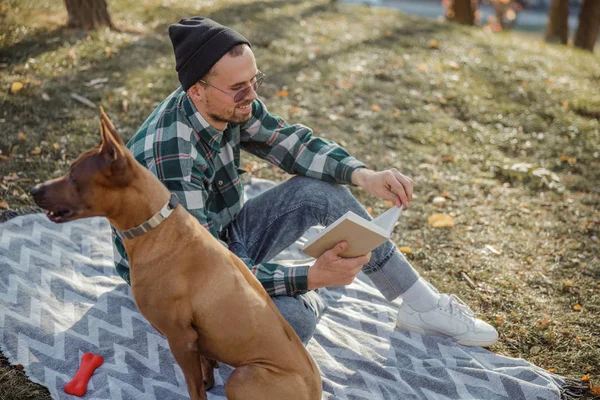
[589, 25]
[461, 11]
[558, 22]
[499, 9]
[88, 14]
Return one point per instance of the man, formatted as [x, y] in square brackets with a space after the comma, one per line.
[192, 143]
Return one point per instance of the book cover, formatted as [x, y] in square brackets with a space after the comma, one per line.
[362, 235]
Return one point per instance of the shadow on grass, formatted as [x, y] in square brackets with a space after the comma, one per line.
[135, 58]
[40, 42]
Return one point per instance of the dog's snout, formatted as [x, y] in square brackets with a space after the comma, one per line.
[37, 190]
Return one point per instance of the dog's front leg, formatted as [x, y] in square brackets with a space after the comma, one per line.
[184, 347]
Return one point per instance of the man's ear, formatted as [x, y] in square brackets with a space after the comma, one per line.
[196, 92]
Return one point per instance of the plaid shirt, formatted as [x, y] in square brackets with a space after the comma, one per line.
[201, 165]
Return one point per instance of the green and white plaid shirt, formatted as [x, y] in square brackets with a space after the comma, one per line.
[201, 165]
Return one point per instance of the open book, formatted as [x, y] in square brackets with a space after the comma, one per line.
[362, 236]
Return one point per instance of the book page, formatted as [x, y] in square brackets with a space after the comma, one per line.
[388, 219]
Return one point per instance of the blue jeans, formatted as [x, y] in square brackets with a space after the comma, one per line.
[274, 220]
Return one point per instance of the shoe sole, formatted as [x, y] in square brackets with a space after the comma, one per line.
[464, 342]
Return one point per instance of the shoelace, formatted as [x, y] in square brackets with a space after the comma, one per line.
[457, 306]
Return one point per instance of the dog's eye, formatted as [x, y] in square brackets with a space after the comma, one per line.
[72, 181]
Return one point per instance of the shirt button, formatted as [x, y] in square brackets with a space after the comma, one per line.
[220, 183]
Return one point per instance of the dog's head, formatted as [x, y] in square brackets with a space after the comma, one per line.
[91, 186]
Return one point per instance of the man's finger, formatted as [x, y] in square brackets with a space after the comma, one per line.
[338, 248]
[402, 185]
[398, 189]
[407, 183]
[358, 262]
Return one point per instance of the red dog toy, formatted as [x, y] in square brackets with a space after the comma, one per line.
[78, 385]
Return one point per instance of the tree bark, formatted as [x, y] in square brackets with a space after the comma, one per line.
[461, 11]
[589, 25]
[558, 22]
[88, 14]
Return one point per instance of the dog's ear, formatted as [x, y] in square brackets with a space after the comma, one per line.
[113, 151]
[111, 128]
[112, 146]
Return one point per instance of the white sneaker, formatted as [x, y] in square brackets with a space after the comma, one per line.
[451, 318]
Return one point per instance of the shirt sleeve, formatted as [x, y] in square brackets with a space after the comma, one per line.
[294, 149]
[279, 280]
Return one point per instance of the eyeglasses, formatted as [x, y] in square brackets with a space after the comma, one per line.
[242, 93]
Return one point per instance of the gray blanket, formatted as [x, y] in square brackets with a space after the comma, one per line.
[61, 297]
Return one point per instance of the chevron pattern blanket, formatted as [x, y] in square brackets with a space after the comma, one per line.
[61, 297]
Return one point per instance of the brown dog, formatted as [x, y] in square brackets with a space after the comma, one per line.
[190, 287]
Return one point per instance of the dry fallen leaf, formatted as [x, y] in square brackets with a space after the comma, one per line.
[388, 203]
[454, 65]
[11, 177]
[22, 137]
[543, 322]
[56, 146]
[492, 250]
[551, 370]
[423, 68]
[585, 378]
[3, 204]
[434, 44]
[441, 221]
[595, 390]
[375, 107]
[36, 151]
[282, 93]
[577, 307]
[405, 250]
[15, 87]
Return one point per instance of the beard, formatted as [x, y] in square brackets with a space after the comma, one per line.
[233, 116]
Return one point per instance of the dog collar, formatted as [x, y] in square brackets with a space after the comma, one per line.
[154, 221]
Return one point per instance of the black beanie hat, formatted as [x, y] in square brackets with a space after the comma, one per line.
[199, 43]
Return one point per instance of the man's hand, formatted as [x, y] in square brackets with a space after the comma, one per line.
[389, 185]
[332, 270]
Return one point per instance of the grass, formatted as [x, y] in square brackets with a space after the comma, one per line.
[499, 131]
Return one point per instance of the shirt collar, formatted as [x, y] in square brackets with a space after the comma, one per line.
[208, 134]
